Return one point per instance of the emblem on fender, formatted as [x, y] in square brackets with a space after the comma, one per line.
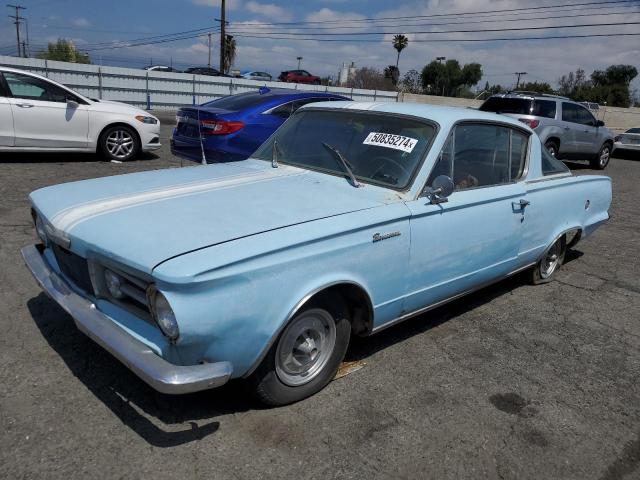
[378, 237]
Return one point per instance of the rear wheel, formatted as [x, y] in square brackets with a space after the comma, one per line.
[601, 160]
[119, 143]
[306, 355]
[552, 147]
[550, 262]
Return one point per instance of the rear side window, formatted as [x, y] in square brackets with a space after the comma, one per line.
[551, 165]
[569, 112]
[633, 130]
[544, 108]
[521, 106]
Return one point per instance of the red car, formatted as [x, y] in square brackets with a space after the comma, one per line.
[299, 76]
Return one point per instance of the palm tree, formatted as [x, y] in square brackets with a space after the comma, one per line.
[229, 52]
[400, 42]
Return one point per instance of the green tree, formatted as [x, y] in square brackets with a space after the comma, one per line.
[400, 42]
[392, 73]
[64, 51]
[539, 87]
[610, 86]
[411, 82]
[449, 78]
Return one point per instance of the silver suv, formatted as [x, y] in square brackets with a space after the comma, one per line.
[566, 128]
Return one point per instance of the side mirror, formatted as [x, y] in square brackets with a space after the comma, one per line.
[440, 189]
[71, 103]
[599, 123]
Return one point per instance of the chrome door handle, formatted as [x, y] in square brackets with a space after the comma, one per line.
[24, 105]
[519, 206]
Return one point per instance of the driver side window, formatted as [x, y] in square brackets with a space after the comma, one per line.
[481, 155]
[32, 88]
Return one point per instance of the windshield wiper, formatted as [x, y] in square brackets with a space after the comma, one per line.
[274, 155]
[345, 164]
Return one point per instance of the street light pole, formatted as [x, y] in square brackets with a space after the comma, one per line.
[222, 35]
[299, 60]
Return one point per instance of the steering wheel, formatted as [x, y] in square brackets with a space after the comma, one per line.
[396, 165]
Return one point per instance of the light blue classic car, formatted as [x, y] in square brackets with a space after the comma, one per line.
[350, 218]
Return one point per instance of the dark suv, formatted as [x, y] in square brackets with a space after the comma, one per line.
[566, 128]
[299, 76]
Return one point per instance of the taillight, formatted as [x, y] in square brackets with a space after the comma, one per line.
[531, 122]
[219, 127]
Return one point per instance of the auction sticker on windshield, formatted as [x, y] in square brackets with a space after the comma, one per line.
[389, 140]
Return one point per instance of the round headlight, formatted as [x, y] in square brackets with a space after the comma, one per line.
[113, 283]
[41, 231]
[164, 316]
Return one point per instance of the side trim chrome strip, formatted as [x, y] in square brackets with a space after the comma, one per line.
[415, 313]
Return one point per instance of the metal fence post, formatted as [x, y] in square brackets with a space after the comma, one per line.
[231, 86]
[375, 95]
[148, 94]
[46, 68]
[100, 83]
[193, 98]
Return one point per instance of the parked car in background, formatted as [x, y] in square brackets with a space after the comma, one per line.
[351, 218]
[298, 76]
[212, 72]
[232, 128]
[629, 140]
[161, 68]
[40, 115]
[255, 75]
[567, 129]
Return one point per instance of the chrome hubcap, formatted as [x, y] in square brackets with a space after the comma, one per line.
[551, 261]
[604, 156]
[120, 143]
[305, 347]
[552, 151]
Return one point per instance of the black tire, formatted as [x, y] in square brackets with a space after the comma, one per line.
[601, 160]
[267, 384]
[129, 138]
[552, 147]
[537, 274]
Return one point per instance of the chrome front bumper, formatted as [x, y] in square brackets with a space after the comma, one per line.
[138, 357]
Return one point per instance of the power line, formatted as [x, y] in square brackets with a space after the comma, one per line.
[405, 24]
[493, 30]
[547, 7]
[451, 40]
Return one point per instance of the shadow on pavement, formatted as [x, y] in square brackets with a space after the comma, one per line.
[63, 157]
[137, 405]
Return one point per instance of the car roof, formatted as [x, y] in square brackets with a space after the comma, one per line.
[532, 95]
[295, 94]
[445, 116]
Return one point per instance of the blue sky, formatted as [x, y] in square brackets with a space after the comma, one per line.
[89, 22]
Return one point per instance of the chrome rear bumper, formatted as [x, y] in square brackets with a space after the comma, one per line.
[138, 357]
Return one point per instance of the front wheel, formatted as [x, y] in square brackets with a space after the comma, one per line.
[550, 262]
[119, 143]
[601, 160]
[552, 148]
[306, 355]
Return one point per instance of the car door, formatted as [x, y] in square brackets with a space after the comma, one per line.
[570, 141]
[42, 115]
[474, 237]
[6, 117]
[587, 133]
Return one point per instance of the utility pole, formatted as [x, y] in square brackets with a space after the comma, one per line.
[519, 74]
[17, 19]
[299, 60]
[222, 35]
[209, 62]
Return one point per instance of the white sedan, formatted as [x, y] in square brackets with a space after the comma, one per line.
[38, 114]
[629, 140]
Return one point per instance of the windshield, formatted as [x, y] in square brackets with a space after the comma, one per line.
[382, 149]
[633, 130]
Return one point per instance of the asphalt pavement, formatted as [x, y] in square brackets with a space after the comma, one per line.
[512, 382]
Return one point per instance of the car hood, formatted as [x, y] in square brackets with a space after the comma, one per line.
[143, 219]
[118, 107]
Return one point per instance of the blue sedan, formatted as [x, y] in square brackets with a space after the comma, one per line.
[232, 128]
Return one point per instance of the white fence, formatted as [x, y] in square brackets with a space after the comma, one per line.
[162, 90]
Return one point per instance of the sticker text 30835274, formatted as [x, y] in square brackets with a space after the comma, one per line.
[389, 140]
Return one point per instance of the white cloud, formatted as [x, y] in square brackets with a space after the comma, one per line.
[268, 10]
[81, 22]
